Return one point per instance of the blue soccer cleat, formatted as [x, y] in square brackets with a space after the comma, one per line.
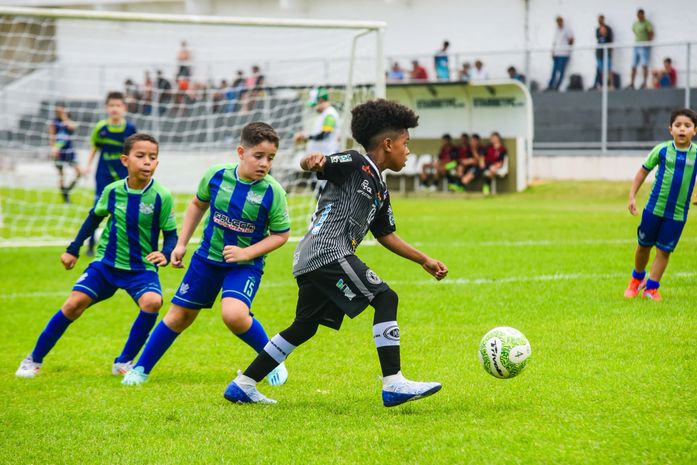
[278, 376]
[245, 394]
[406, 391]
[134, 377]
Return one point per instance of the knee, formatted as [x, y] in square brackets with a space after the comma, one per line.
[150, 303]
[386, 306]
[179, 318]
[74, 307]
[237, 319]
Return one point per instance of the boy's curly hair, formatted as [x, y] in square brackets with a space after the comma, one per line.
[375, 118]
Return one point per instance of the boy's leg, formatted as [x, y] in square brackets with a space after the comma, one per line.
[56, 326]
[668, 237]
[647, 235]
[658, 267]
[149, 304]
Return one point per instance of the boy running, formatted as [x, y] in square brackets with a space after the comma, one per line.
[60, 138]
[127, 257]
[665, 213]
[248, 219]
[108, 138]
[332, 280]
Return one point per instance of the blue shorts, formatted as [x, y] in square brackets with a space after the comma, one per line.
[203, 280]
[664, 233]
[65, 159]
[642, 56]
[100, 281]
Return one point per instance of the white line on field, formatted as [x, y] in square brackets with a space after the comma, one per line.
[420, 282]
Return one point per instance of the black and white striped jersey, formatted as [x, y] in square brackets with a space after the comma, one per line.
[354, 201]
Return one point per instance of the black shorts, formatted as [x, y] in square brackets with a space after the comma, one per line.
[344, 287]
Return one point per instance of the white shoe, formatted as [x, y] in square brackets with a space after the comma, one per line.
[134, 377]
[278, 376]
[405, 391]
[119, 368]
[28, 368]
[245, 393]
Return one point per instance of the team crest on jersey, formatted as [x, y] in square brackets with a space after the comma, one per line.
[372, 277]
[254, 198]
[82, 277]
[146, 208]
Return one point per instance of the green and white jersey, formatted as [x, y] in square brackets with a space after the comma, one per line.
[675, 180]
[242, 213]
[136, 218]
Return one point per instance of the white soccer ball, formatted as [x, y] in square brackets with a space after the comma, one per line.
[504, 352]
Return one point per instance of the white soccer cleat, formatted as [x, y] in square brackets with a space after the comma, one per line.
[134, 377]
[28, 368]
[278, 376]
[121, 368]
[241, 393]
[405, 391]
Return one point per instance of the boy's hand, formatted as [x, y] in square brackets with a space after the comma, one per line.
[177, 256]
[632, 206]
[232, 254]
[157, 258]
[68, 260]
[313, 162]
[435, 268]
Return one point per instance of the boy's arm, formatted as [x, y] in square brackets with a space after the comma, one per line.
[639, 179]
[232, 253]
[395, 244]
[313, 162]
[192, 217]
[89, 226]
[52, 139]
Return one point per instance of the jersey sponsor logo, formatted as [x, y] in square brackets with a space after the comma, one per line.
[391, 333]
[366, 187]
[340, 158]
[254, 198]
[322, 218]
[343, 287]
[233, 224]
[184, 288]
[372, 277]
[146, 208]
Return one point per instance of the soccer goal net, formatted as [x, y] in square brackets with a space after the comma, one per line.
[191, 81]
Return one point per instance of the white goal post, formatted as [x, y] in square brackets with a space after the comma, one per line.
[74, 57]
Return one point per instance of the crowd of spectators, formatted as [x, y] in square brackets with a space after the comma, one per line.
[562, 50]
[466, 162]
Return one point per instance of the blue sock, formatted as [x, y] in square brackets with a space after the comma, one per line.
[52, 332]
[651, 284]
[637, 275]
[255, 337]
[161, 338]
[139, 334]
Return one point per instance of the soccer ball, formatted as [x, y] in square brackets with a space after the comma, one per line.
[504, 352]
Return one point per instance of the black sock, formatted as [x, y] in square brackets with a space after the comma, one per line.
[386, 332]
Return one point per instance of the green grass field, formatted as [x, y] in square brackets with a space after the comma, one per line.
[610, 380]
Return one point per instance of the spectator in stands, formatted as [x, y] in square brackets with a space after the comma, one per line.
[465, 161]
[418, 72]
[472, 171]
[561, 52]
[184, 62]
[253, 88]
[164, 88]
[464, 74]
[643, 32]
[479, 73]
[218, 95]
[396, 73]
[432, 173]
[492, 163]
[441, 62]
[665, 78]
[132, 96]
[146, 98]
[515, 75]
[603, 35]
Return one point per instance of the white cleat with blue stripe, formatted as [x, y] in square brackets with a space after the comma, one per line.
[405, 391]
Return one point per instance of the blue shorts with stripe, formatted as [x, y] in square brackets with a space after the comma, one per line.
[101, 281]
[664, 233]
[203, 281]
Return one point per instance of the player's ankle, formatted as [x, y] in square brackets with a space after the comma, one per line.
[396, 378]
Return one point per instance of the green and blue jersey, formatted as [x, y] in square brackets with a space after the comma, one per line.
[241, 213]
[675, 180]
[109, 141]
[136, 218]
